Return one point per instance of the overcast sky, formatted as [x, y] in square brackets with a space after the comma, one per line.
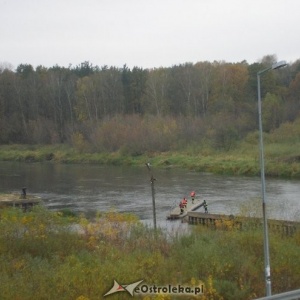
[147, 33]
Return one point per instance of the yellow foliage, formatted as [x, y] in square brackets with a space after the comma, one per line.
[193, 281]
[26, 219]
[110, 226]
[226, 224]
[19, 264]
[196, 283]
[82, 298]
[210, 293]
[79, 141]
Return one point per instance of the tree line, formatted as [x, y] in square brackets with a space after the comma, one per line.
[105, 108]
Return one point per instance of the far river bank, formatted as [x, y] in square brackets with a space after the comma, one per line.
[241, 161]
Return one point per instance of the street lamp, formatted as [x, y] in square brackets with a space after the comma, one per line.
[275, 66]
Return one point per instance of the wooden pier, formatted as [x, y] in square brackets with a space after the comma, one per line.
[176, 214]
[25, 202]
[226, 222]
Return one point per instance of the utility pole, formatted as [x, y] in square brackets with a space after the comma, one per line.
[152, 180]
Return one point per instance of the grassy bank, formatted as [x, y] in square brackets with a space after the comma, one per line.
[42, 256]
[282, 160]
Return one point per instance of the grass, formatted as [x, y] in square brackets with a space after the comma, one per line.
[42, 256]
[281, 159]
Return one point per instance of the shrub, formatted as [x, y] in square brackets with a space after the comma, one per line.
[46, 255]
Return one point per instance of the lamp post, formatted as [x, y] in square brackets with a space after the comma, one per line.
[275, 66]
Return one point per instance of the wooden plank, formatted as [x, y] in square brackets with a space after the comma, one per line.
[18, 200]
[285, 227]
[176, 214]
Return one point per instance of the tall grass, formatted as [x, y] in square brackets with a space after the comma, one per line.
[281, 160]
[44, 255]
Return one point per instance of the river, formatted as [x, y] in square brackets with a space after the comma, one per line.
[91, 188]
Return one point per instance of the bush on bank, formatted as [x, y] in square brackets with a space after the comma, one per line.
[171, 142]
[45, 255]
[280, 160]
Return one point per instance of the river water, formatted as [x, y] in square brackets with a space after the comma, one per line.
[91, 188]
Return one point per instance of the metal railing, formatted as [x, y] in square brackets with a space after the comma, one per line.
[291, 295]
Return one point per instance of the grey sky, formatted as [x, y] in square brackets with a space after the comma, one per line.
[147, 33]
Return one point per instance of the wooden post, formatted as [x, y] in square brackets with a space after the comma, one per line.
[152, 179]
[153, 201]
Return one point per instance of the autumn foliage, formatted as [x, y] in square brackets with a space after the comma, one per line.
[108, 108]
[48, 255]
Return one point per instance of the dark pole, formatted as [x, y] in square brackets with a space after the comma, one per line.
[153, 201]
[152, 180]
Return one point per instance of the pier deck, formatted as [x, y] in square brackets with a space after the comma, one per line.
[220, 221]
[175, 212]
[17, 200]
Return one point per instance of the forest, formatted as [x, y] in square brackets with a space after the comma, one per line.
[107, 109]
